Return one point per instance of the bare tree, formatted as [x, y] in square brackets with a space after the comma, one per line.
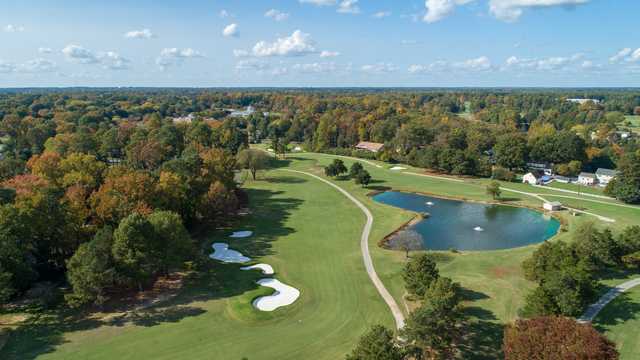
[408, 240]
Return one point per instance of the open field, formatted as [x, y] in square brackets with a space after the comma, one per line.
[635, 123]
[310, 234]
[620, 321]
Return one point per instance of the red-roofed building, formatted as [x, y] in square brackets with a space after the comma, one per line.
[370, 146]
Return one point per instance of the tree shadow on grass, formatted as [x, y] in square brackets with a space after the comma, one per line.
[483, 340]
[270, 211]
[472, 295]
[285, 180]
[620, 310]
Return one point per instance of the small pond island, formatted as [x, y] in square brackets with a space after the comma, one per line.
[461, 225]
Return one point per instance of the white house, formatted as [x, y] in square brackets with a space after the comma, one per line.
[587, 178]
[531, 179]
[552, 206]
[604, 176]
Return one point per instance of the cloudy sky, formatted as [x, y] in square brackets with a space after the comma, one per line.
[320, 43]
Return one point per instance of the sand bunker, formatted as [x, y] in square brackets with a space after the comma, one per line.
[266, 268]
[222, 253]
[284, 295]
[396, 168]
[241, 234]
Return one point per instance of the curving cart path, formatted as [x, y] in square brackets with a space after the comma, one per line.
[364, 247]
[594, 309]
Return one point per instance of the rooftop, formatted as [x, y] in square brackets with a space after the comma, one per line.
[606, 172]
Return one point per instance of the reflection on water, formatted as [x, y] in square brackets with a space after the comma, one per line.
[455, 224]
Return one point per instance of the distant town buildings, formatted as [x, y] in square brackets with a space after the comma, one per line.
[184, 119]
[370, 146]
[583, 101]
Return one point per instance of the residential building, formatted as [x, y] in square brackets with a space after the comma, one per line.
[370, 146]
[604, 176]
[586, 178]
[531, 178]
[552, 206]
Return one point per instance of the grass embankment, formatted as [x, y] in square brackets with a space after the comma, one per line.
[307, 231]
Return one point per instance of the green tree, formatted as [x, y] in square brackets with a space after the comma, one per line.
[376, 344]
[494, 190]
[134, 249]
[511, 151]
[172, 240]
[91, 270]
[363, 178]
[356, 167]
[419, 273]
[626, 186]
[253, 160]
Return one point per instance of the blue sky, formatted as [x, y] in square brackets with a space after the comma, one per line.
[320, 43]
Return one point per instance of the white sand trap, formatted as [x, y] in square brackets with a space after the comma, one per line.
[266, 268]
[241, 234]
[284, 295]
[270, 150]
[224, 254]
[397, 168]
[478, 228]
[430, 203]
[297, 148]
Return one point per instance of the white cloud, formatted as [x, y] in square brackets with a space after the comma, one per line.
[327, 54]
[315, 68]
[319, 2]
[297, 44]
[13, 28]
[231, 30]
[174, 56]
[32, 66]
[511, 10]
[620, 55]
[276, 15]
[626, 55]
[381, 14]
[379, 68]
[349, 7]
[478, 64]
[439, 9]
[78, 54]
[240, 53]
[252, 64]
[37, 66]
[553, 63]
[45, 50]
[139, 34]
[113, 61]
[224, 14]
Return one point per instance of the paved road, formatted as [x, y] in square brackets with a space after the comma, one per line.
[364, 247]
[594, 309]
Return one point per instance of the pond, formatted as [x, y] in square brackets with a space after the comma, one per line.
[461, 225]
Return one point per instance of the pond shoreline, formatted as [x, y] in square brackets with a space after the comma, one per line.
[384, 242]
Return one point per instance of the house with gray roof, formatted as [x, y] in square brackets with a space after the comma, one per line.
[605, 176]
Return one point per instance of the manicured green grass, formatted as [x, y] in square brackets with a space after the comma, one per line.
[635, 123]
[595, 190]
[620, 322]
[308, 232]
